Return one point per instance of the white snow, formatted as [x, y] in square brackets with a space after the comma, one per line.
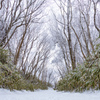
[49, 94]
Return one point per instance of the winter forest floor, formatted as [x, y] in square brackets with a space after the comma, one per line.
[49, 94]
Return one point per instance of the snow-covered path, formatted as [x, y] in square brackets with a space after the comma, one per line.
[47, 95]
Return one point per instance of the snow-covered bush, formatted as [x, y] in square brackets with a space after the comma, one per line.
[3, 56]
[85, 76]
[11, 78]
[81, 79]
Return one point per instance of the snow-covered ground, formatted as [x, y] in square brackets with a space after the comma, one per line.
[47, 95]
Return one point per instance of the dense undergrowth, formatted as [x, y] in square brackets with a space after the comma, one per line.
[11, 78]
[85, 77]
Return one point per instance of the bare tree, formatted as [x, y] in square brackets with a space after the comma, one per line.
[66, 33]
[95, 14]
[75, 29]
[15, 15]
[23, 29]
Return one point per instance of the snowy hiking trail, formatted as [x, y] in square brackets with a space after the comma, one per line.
[47, 95]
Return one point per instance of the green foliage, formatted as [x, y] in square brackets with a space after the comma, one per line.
[84, 77]
[12, 79]
[37, 84]
[3, 56]
[40, 85]
[81, 79]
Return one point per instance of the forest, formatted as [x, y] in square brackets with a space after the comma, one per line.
[50, 43]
